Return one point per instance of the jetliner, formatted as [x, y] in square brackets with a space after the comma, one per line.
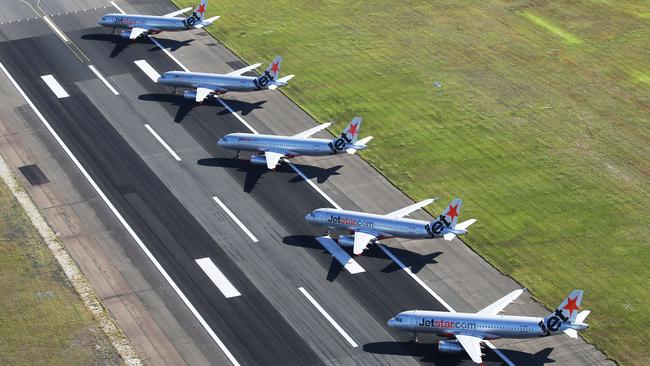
[272, 148]
[207, 85]
[470, 329]
[139, 25]
[369, 228]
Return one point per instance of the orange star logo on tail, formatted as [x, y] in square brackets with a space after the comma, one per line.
[571, 305]
[201, 9]
[275, 67]
[353, 129]
[452, 211]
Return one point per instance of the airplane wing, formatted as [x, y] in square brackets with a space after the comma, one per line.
[244, 70]
[408, 210]
[177, 12]
[312, 131]
[272, 159]
[202, 93]
[472, 346]
[496, 307]
[137, 32]
[361, 241]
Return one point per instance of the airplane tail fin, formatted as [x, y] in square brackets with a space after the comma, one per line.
[273, 71]
[447, 223]
[566, 317]
[351, 132]
[199, 11]
[567, 311]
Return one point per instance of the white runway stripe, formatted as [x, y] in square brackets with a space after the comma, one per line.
[235, 219]
[328, 317]
[151, 73]
[54, 85]
[101, 77]
[217, 277]
[344, 258]
[162, 142]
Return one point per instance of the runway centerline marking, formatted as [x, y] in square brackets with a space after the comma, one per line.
[54, 85]
[162, 142]
[103, 79]
[324, 195]
[344, 258]
[122, 220]
[147, 69]
[328, 317]
[217, 277]
[235, 219]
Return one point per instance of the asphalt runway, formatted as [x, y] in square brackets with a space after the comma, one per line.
[169, 204]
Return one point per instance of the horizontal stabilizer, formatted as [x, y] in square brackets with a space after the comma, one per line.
[286, 78]
[364, 140]
[207, 22]
[449, 236]
[177, 12]
[571, 333]
[582, 316]
[465, 224]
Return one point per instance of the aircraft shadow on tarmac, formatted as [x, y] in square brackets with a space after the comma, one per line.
[122, 43]
[185, 106]
[415, 260]
[254, 173]
[428, 353]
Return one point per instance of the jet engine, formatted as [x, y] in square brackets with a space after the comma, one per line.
[189, 94]
[125, 34]
[258, 160]
[346, 240]
[450, 347]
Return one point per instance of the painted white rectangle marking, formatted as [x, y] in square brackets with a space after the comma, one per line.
[344, 258]
[163, 143]
[151, 73]
[55, 29]
[235, 219]
[328, 317]
[123, 221]
[101, 77]
[217, 277]
[54, 85]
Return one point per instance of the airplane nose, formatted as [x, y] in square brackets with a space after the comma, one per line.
[391, 322]
[220, 142]
[309, 217]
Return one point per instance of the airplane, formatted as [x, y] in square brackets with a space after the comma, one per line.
[271, 149]
[369, 228]
[139, 25]
[470, 329]
[208, 85]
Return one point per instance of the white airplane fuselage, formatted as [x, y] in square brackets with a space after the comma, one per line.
[292, 146]
[217, 82]
[386, 227]
[483, 326]
[153, 23]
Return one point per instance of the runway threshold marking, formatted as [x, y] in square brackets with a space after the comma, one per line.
[324, 195]
[103, 79]
[123, 221]
[162, 142]
[54, 85]
[217, 277]
[344, 258]
[328, 317]
[150, 71]
[235, 219]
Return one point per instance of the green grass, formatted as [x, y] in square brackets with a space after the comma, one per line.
[541, 125]
[43, 320]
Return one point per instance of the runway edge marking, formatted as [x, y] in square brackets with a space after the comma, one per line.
[324, 195]
[121, 219]
[235, 219]
[162, 142]
[103, 79]
[328, 317]
[217, 277]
